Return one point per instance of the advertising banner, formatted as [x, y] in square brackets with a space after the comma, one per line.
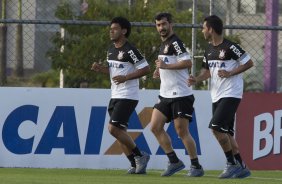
[259, 130]
[67, 128]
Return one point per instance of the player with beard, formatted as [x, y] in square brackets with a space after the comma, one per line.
[224, 62]
[176, 98]
[125, 66]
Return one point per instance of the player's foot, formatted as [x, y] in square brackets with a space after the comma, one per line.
[244, 172]
[195, 172]
[173, 168]
[131, 170]
[230, 170]
[141, 163]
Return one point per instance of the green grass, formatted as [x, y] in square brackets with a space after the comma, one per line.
[87, 176]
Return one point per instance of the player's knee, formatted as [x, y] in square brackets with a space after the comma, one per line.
[113, 130]
[215, 132]
[220, 136]
[155, 129]
[182, 133]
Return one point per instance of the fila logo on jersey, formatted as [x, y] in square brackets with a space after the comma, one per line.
[115, 65]
[133, 56]
[235, 50]
[177, 48]
[216, 64]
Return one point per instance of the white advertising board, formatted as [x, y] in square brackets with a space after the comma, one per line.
[67, 128]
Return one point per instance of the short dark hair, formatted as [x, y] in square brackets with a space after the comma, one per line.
[214, 22]
[162, 15]
[124, 24]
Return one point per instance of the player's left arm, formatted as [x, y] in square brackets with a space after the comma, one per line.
[141, 65]
[241, 68]
[138, 73]
[183, 58]
[134, 75]
[241, 56]
[175, 66]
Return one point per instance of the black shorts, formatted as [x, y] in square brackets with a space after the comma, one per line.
[224, 112]
[174, 108]
[120, 111]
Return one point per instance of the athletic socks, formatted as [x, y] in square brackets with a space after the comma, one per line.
[195, 162]
[172, 157]
[137, 152]
[230, 157]
[131, 160]
[239, 159]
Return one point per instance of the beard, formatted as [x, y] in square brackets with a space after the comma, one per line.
[208, 37]
[164, 33]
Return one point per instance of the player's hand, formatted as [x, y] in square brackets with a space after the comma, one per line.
[156, 74]
[96, 67]
[119, 79]
[160, 64]
[223, 73]
[191, 80]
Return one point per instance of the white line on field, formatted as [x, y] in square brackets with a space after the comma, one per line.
[216, 176]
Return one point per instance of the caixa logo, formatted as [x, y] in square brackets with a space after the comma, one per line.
[64, 117]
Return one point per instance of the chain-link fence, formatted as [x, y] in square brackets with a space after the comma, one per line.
[29, 28]
[263, 44]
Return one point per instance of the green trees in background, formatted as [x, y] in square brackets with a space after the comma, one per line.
[84, 44]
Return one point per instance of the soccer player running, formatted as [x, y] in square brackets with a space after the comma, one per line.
[125, 66]
[176, 98]
[224, 62]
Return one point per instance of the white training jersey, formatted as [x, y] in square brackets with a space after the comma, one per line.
[225, 56]
[174, 82]
[122, 61]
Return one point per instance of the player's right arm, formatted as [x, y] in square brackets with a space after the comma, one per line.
[156, 74]
[204, 75]
[97, 67]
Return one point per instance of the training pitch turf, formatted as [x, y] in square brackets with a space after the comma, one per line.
[89, 176]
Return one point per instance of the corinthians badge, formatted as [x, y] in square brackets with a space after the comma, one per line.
[120, 55]
[166, 49]
[221, 54]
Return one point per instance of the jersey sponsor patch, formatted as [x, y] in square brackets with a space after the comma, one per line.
[177, 48]
[216, 64]
[236, 51]
[133, 56]
[115, 65]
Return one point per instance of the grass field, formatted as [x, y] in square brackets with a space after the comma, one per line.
[87, 176]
